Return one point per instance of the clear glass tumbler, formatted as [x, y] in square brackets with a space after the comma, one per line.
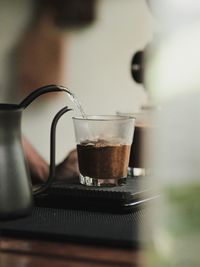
[103, 145]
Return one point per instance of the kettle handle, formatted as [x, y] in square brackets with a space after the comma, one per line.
[44, 186]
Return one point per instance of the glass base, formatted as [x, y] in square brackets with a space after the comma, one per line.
[85, 180]
[134, 172]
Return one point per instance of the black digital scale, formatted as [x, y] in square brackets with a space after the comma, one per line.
[114, 199]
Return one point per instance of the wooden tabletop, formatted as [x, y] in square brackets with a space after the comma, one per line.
[25, 252]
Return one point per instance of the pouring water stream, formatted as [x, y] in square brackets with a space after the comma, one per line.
[75, 101]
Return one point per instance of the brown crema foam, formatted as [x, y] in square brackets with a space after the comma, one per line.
[102, 160]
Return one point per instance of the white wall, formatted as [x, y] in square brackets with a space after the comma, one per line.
[97, 71]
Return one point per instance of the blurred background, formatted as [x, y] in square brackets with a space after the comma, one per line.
[86, 45]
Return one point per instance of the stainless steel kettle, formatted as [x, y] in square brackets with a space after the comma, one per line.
[16, 191]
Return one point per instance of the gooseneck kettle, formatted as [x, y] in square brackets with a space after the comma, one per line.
[16, 191]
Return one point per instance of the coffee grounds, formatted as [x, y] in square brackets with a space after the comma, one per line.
[102, 161]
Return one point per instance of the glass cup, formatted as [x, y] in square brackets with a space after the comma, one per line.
[137, 162]
[103, 145]
[143, 125]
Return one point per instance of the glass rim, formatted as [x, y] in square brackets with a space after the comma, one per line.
[104, 118]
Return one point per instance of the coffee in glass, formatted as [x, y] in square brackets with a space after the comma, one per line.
[103, 145]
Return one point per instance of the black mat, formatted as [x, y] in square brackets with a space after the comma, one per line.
[120, 230]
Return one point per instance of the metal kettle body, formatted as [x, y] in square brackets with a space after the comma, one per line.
[16, 190]
[15, 184]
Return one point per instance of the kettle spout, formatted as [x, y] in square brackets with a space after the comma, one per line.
[43, 90]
